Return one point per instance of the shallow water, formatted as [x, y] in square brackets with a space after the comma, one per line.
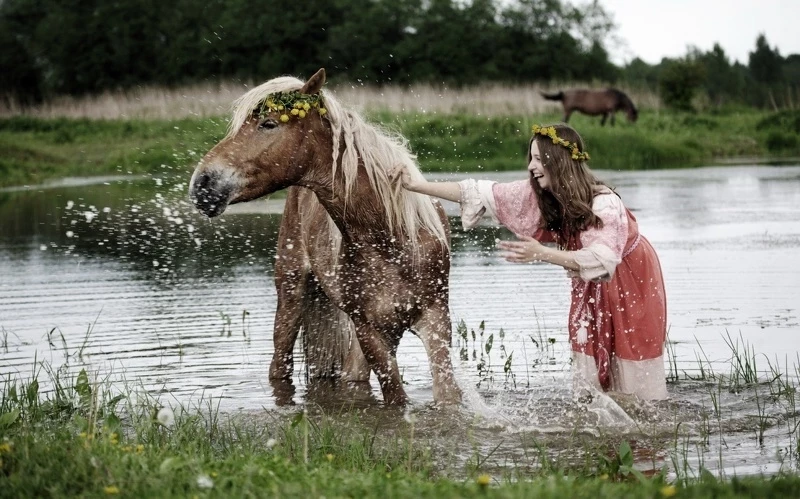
[125, 278]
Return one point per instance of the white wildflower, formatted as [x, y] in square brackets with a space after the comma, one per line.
[204, 481]
[165, 416]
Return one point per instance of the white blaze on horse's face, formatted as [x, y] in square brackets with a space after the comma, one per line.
[536, 169]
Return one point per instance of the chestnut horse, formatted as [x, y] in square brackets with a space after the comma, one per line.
[593, 102]
[359, 260]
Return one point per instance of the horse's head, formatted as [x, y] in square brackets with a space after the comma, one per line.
[274, 133]
[632, 113]
[630, 110]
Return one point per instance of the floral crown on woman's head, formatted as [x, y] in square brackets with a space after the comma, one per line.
[549, 131]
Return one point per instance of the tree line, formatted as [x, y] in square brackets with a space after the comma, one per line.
[77, 47]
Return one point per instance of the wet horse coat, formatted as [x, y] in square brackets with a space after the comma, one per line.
[595, 102]
[359, 260]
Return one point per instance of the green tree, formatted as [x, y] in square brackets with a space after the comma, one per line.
[20, 74]
[678, 81]
[765, 63]
[723, 83]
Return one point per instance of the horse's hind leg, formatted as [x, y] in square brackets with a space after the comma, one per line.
[567, 114]
[603, 120]
[382, 361]
[435, 331]
[355, 366]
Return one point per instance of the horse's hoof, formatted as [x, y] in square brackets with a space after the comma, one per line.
[280, 372]
[398, 399]
[450, 396]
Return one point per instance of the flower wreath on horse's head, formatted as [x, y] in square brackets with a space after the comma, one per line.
[291, 104]
[549, 131]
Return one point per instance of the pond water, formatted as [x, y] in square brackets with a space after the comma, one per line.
[124, 278]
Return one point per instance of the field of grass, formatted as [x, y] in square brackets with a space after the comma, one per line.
[81, 438]
[35, 150]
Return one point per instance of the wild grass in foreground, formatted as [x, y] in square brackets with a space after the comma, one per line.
[81, 438]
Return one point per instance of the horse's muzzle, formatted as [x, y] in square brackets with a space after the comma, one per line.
[209, 195]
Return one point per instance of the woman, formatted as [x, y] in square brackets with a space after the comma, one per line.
[617, 318]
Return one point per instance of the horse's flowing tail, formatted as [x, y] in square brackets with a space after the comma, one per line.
[328, 335]
[558, 96]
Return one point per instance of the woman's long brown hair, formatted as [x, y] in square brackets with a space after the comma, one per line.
[566, 205]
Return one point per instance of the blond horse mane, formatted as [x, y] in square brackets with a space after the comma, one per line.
[378, 149]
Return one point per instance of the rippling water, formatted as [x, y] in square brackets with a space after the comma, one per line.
[124, 278]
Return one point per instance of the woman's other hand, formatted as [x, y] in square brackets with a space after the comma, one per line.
[527, 249]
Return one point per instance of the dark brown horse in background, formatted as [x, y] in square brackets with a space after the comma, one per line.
[593, 102]
[359, 260]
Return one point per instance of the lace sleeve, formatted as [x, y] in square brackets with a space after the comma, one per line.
[603, 247]
[476, 201]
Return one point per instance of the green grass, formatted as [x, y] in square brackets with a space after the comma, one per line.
[83, 438]
[657, 140]
[37, 150]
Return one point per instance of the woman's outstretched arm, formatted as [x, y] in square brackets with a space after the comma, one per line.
[450, 191]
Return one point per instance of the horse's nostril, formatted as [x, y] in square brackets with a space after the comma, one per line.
[203, 180]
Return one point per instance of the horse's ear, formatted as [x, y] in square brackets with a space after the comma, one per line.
[315, 83]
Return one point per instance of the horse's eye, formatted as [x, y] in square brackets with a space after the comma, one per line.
[267, 124]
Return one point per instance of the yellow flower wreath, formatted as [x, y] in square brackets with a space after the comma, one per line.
[549, 131]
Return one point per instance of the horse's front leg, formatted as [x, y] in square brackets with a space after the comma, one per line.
[613, 118]
[287, 324]
[603, 120]
[435, 331]
[380, 357]
[567, 114]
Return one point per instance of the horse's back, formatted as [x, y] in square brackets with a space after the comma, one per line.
[590, 101]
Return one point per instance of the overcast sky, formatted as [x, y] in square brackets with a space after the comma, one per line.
[652, 29]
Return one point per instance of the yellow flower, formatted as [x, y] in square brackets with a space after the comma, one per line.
[306, 106]
[668, 490]
[302, 114]
[483, 480]
[298, 104]
[127, 448]
[280, 107]
[322, 111]
[604, 476]
[140, 448]
[111, 490]
[213, 474]
[329, 457]
[295, 112]
[5, 448]
[284, 118]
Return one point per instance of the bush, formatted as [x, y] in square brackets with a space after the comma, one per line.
[780, 141]
[786, 121]
[678, 82]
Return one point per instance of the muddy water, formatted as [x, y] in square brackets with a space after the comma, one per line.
[124, 278]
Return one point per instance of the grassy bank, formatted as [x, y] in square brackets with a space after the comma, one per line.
[79, 439]
[35, 150]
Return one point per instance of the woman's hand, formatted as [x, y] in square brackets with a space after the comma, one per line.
[399, 173]
[401, 178]
[527, 249]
